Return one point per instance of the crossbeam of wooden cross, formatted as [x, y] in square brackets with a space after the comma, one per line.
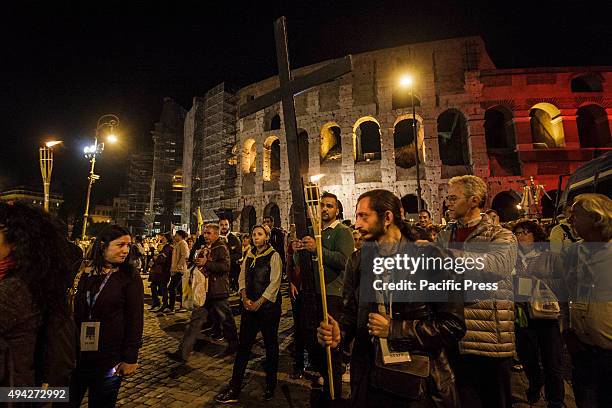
[285, 93]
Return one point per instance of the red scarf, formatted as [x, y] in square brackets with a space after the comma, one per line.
[6, 265]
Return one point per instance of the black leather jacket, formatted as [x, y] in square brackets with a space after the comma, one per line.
[423, 328]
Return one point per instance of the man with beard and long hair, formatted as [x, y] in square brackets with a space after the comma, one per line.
[425, 329]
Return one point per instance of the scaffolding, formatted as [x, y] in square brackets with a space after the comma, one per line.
[138, 190]
[217, 191]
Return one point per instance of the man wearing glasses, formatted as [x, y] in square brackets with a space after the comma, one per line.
[484, 357]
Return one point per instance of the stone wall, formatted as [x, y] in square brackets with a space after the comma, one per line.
[453, 77]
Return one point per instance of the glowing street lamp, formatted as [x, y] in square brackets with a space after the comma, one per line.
[92, 152]
[406, 81]
[45, 154]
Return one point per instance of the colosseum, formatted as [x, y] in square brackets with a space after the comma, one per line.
[504, 125]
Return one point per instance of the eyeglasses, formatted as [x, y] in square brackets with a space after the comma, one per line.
[452, 198]
[521, 232]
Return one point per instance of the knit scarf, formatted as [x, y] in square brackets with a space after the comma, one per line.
[6, 265]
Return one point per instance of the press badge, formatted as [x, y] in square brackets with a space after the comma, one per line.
[525, 287]
[394, 357]
[90, 334]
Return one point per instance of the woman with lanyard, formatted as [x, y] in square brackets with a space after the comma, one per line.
[538, 339]
[108, 311]
[259, 283]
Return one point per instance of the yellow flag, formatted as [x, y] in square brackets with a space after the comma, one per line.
[200, 221]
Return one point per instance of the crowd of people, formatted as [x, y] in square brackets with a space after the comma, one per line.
[551, 308]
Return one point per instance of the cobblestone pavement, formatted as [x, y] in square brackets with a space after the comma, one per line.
[160, 381]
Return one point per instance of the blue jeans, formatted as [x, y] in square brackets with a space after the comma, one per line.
[103, 387]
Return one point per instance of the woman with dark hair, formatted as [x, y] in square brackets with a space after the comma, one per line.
[108, 311]
[160, 274]
[538, 339]
[34, 278]
[259, 284]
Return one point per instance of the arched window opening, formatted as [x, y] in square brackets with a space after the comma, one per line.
[272, 210]
[275, 123]
[331, 143]
[248, 219]
[403, 142]
[249, 157]
[367, 138]
[587, 83]
[271, 162]
[501, 142]
[452, 138]
[546, 126]
[593, 126]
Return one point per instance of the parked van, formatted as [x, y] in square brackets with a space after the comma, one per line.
[592, 177]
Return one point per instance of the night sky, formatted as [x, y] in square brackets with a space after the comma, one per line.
[64, 65]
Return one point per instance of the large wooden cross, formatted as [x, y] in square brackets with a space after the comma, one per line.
[288, 88]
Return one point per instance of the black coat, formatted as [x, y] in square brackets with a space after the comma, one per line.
[119, 309]
[217, 269]
[277, 240]
[20, 320]
[422, 328]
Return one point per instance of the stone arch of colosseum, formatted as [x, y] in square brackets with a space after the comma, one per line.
[366, 139]
[403, 140]
[273, 210]
[248, 218]
[330, 148]
[271, 158]
[593, 126]
[249, 156]
[500, 138]
[546, 126]
[453, 136]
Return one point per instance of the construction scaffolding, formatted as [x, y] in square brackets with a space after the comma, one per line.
[138, 190]
[213, 161]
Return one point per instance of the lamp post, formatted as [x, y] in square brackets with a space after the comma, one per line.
[45, 154]
[406, 81]
[92, 152]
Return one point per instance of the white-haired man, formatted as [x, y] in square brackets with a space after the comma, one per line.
[485, 353]
[589, 285]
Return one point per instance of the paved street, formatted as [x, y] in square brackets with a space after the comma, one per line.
[161, 382]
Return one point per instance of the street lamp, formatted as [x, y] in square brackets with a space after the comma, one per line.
[92, 152]
[45, 154]
[407, 81]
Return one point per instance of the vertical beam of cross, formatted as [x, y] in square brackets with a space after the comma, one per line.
[284, 75]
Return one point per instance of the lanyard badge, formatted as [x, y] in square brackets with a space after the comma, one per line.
[90, 331]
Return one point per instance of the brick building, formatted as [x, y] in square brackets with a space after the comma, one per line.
[502, 125]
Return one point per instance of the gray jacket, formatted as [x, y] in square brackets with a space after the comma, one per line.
[489, 321]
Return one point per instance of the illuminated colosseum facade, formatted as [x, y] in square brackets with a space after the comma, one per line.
[504, 125]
